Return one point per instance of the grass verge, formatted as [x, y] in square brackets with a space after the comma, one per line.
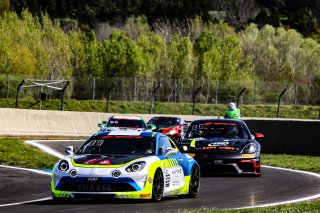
[267, 111]
[308, 206]
[14, 152]
[299, 162]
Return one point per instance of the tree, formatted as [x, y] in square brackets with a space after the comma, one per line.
[122, 56]
[4, 6]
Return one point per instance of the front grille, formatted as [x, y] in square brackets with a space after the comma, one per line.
[216, 169]
[96, 187]
[97, 196]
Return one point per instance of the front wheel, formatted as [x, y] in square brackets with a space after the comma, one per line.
[158, 185]
[194, 184]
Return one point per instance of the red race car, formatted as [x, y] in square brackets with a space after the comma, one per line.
[173, 127]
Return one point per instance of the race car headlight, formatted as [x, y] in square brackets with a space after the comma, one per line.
[63, 165]
[135, 167]
[249, 148]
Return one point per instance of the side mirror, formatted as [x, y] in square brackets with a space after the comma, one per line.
[151, 127]
[69, 150]
[258, 136]
[170, 151]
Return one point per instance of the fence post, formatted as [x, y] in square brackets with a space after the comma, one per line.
[175, 90]
[282, 93]
[194, 98]
[255, 93]
[17, 94]
[8, 85]
[93, 87]
[108, 92]
[134, 88]
[152, 97]
[295, 94]
[217, 88]
[63, 94]
[239, 95]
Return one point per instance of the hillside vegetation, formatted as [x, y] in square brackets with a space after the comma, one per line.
[35, 47]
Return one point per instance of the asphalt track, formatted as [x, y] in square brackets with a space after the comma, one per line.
[273, 186]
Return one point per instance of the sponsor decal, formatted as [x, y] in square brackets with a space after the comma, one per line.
[93, 187]
[96, 143]
[145, 195]
[90, 162]
[247, 155]
[219, 144]
[92, 179]
[150, 179]
[104, 162]
[167, 179]
[218, 161]
[177, 171]
[219, 148]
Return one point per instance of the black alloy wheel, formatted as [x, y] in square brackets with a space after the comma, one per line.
[158, 185]
[194, 184]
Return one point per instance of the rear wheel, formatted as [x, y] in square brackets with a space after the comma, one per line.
[194, 184]
[158, 185]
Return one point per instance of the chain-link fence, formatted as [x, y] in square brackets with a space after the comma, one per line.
[170, 90]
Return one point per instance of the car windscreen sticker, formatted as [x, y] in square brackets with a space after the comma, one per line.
[96, 142]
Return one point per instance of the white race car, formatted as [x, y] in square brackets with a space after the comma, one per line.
[125, 164]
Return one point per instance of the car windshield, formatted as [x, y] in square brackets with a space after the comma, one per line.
[127, 145]
[218, 129]
[164, 121]
[131, 123]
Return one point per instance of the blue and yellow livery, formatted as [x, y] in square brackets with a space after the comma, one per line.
[125, 164]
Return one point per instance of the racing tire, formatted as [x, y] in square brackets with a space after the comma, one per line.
[62, 200]
[158, 186]
[194, 183]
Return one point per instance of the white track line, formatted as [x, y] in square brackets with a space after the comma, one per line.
[45, 148]
[312, 197]
[25, 169]
[24, 202]
[29, 170]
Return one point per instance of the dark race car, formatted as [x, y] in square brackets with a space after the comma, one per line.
[223, 146]
[171, 126]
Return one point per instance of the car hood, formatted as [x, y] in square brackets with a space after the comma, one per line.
[231, 145]
[104, 159]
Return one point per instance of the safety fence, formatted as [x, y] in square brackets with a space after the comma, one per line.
[170, 90]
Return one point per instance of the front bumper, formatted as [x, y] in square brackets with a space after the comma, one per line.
[233, 164]
[125, 189]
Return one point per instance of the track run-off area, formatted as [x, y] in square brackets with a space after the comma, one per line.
[28, 190]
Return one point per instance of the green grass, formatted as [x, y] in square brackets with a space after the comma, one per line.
[15, 153]
[300, 162]
[308, 206]
[267, 111]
